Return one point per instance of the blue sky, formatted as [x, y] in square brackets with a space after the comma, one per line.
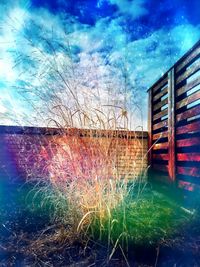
[145, 36]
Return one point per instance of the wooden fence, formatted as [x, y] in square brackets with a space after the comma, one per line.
[174, 122]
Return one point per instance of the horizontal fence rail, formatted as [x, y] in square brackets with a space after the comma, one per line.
[174, 122]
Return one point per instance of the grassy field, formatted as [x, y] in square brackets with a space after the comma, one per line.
[141, 222]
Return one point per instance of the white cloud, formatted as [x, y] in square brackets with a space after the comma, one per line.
[12, 25]
[133, 8]
[3, 109]
[104, 46]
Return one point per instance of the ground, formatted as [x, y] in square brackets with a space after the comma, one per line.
[29, 238]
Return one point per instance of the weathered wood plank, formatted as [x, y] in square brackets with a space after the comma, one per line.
[189, 99]
[192, 127]
[150, 128]
[188, 87]
[162, 178]
[160, 104]
[160, 125]
[188, 186]
[160, 85]
[188, 157]
[161, 156]
[159, 95]
[188, 142]
[160, 135]
[188, 59]
[171, 125]
[159, 146]
[188, 113]
[190, 171]
[160, 114]
[159, 167]
[189, 72]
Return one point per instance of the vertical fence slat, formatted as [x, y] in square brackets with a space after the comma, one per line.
[171, 125]
[150, 117]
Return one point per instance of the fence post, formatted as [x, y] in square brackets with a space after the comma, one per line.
[150, 115]
[171, 125]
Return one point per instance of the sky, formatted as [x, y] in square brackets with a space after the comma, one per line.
[141, 39]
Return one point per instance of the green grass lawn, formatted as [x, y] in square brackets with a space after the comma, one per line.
[144, 220]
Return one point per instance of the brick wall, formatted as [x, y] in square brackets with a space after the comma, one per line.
[39, 152]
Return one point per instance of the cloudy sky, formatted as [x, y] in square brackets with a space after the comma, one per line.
[145, 36]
